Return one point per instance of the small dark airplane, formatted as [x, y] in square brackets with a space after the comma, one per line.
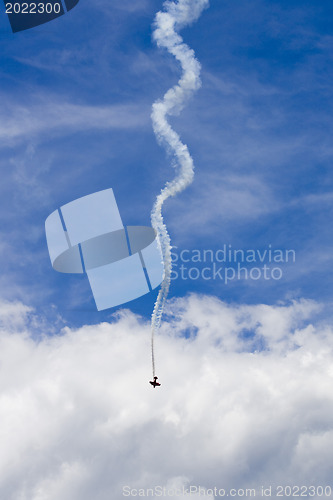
[154, 383]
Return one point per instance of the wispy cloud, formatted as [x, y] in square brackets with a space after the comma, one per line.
[130, 6]
[47, 115]
[217, 201]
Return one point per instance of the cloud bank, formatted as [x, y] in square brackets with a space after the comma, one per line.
[246, 400]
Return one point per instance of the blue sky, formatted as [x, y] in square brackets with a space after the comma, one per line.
[254, 356]
[77, 95]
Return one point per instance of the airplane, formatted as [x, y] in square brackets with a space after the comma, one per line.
[154, 383]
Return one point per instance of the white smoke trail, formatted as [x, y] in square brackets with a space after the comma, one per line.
[176, 15]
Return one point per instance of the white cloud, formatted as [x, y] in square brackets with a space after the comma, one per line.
[13, 316]
[80, 421]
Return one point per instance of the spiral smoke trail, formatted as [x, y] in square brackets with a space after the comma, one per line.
[176, 15]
